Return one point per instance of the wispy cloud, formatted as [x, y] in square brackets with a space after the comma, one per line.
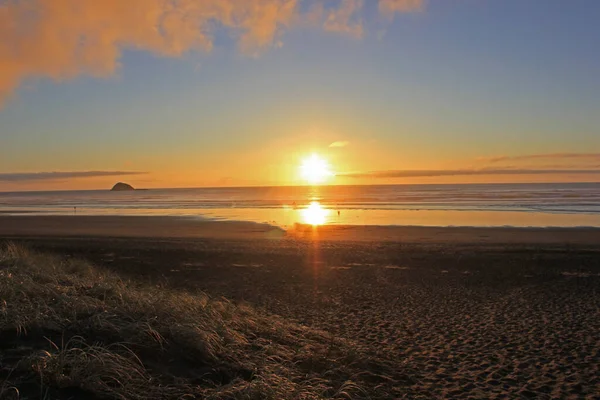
[50, 176]
[391, 7]
[341, 143]
[549, 156]
[63, 39]
[346, 18]
[464, 172]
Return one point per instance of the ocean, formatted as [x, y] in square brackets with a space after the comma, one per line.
[538, 205]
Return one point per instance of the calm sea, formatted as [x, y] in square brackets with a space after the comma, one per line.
[574, 204]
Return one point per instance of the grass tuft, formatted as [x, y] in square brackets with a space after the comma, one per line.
[71, 330]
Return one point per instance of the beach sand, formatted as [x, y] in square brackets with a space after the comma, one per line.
[463, 312]
[183, 227]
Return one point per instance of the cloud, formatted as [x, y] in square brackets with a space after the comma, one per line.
[390, 7]
[62, 39]
[345, 19]
[50, 176]
[341, 143]
[464, 172]
[549, 156]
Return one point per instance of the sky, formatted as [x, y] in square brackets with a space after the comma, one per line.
[189, 93]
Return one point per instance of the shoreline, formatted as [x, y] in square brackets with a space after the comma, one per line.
[195, 228]
[287, 217]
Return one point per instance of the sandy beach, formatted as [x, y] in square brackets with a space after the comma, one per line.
[462, 312]
[184, 227]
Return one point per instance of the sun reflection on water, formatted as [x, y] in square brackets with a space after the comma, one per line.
[315, 214]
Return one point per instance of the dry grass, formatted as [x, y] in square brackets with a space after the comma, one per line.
[70, 330]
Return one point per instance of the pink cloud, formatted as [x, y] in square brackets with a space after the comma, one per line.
[62, 39]
[548, 156]
[390, 7]
[345, 19]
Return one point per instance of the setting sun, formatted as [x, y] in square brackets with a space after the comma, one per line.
[315, 169]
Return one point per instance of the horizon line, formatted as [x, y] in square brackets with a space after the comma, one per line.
[301, 186]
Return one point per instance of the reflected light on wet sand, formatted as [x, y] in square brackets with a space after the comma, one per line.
[315, 214]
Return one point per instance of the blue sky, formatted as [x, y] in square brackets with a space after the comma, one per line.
[446, 85]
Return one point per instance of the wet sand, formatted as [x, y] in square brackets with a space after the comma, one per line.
[182, 227]
[133, 226]
[463, 312]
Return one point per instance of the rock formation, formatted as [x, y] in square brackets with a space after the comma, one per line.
[121, 187]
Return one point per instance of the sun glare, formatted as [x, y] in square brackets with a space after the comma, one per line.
[315, 214]
[315, 169]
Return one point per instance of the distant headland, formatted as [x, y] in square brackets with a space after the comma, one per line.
[121, 187]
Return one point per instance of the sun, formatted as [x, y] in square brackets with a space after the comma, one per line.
[315, 169]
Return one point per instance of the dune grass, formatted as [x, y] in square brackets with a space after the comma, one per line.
[71, 330]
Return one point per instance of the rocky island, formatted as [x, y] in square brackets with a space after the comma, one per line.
[121, 187]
